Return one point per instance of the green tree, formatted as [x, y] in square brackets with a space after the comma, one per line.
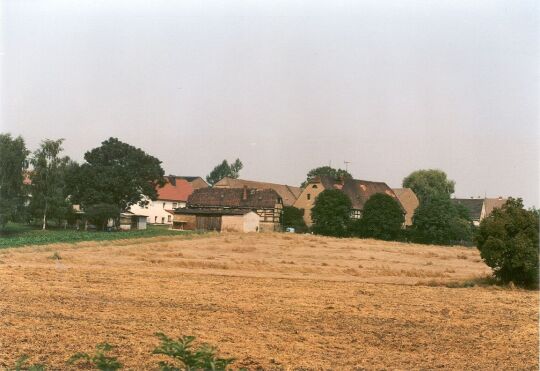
[326, 171]
[439, 221]
[115, 173]
[100, 214]
[508, 243]
[428, 184]
[331, 213]
[293, 217]
[225, 170]
[48, 182]
[13, 162]
[382, 218]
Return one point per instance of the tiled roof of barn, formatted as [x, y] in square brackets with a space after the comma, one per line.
[234, 197]
[473, 205]
[493, 203]
[187, 211]
[359, 191]
[175, 189]
[289, 194]
[409, 201]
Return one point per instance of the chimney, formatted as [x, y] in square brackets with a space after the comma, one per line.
[245, 193]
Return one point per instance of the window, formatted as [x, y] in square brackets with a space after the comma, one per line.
[164, 204]
[314, 186]
[169, 218]
[162, 220]
[155, 219]
[309, 196]
[174, 205]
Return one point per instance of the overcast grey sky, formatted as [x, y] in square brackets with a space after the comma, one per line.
[391, 86]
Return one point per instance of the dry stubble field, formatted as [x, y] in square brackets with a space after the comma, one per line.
[272, 301]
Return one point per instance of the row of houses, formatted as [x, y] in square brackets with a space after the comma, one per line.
[188, 203]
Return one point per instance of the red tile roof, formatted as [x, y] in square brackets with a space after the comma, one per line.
[179, 191]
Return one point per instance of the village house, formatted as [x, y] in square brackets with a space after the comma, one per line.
[408, 201]
[174, 194]
[225, 220]
[480, 208]
[358, 191]
[207, 207]
[289, 194]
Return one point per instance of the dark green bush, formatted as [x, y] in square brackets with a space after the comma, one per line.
[331, 213]
[508, 243]
[382, 218]
[293, 217]
[439, 221]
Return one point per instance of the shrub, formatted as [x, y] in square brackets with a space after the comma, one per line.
[439, 221]
[331, 213]
[508, 243]
[382, 218]
[100, 214]
[187, 358]
[100, 360]
[20, 365]
[293, 217]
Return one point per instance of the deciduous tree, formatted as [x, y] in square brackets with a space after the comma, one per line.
[326, 171]
[382, 218]
[331, 213]
[49, 198]
[13, 162]
[508, 243]
[116, 173]
[428, 184]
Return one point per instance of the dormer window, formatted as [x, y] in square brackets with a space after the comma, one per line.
[314, 186]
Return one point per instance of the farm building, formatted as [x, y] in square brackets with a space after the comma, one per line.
[288, 194]
[480, 208]
[195, 181]
[358, 191]
[265, 202]
[231, 220]
[409, 201]
[172, 195]
[130, 221]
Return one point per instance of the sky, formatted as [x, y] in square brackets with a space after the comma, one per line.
[286, 86]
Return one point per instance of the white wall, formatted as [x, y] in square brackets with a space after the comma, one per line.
[156, 212]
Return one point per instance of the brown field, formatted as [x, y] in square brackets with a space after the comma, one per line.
[272, 301]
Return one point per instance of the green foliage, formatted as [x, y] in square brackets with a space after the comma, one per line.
[382, 218]
[48, 189]
[100, 214]
[15, 235]
[439, 221]
[429, 184]
[331, 213]
[13, 162]
[115, 173]
[326, 171]
[100, 360]
[508, 243]
[293, 217]
[187, 358]
[224, 170]
[21, 364]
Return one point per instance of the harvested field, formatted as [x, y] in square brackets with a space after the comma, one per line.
[272, 301]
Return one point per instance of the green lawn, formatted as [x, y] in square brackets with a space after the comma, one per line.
[15, 235]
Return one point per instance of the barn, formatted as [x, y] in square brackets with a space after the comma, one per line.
[230, 220]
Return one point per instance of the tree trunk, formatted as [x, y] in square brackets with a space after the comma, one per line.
[45, 218]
